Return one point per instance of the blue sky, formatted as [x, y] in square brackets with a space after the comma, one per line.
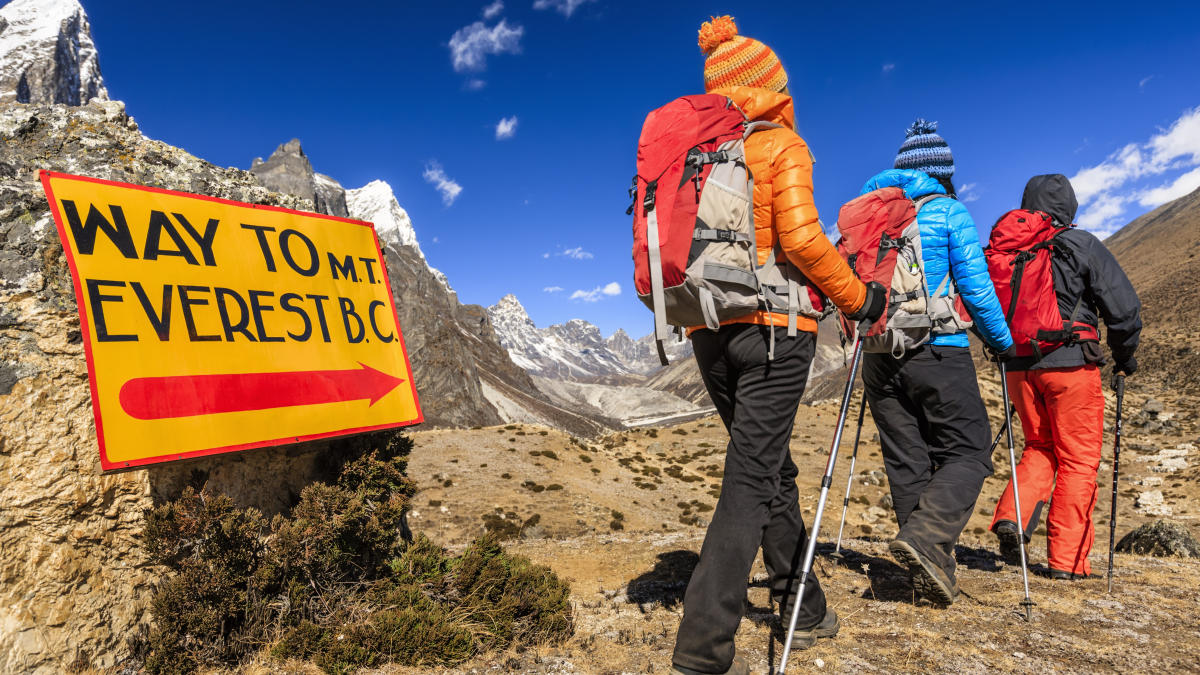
[414, 94]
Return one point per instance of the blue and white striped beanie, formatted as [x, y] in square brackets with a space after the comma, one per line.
[924, 150]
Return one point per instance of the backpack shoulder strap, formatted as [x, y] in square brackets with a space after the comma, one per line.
[922, 201]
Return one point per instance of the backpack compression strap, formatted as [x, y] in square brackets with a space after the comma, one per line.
[659, 300]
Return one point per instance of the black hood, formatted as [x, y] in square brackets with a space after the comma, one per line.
[1051, 194]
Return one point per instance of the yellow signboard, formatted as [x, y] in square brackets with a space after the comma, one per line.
[213, 326]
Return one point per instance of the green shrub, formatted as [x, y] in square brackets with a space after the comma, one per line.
[334, 582]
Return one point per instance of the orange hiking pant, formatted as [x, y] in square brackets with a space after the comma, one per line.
[1062, 415]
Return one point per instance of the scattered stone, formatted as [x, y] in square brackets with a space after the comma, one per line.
[874, 513]
[873, 477]
[1153, 405]
[1149, 481]
[1160, 538]
[1152, 503]
[1169, 460]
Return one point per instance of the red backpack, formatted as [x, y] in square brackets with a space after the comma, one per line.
[694, 250]
[1019, 257]
[881, 241]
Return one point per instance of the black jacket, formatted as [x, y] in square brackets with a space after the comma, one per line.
[1083, 267]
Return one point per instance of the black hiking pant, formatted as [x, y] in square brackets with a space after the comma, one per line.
[757, 400]
[935, 435]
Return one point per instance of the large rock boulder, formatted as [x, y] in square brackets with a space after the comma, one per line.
[1160, 538]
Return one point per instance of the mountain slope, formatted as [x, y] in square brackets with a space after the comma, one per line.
[1160, 252]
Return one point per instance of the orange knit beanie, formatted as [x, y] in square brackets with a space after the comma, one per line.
[736, 60]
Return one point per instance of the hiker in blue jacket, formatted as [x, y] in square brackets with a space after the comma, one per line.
[933, 427]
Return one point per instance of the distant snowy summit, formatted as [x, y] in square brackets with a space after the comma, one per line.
[376, 203]
[574, 350]
[47, 54]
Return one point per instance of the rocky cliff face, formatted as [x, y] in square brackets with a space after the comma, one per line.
[47, 54]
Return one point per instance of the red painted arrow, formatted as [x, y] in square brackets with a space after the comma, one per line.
[154, 398]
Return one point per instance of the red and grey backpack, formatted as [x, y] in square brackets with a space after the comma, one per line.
[694, 250]
[1020, 261]
[881, 241]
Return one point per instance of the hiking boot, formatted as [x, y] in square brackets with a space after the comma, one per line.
[1008, 535]
[1062, 575]
[929, 579]
[738, 667]
[803, 638]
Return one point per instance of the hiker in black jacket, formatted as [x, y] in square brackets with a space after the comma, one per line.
[1058, 395]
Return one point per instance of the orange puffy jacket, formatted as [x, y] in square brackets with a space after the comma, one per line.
[784, 210]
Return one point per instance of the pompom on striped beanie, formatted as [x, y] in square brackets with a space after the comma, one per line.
[735, 60]
[924, 150]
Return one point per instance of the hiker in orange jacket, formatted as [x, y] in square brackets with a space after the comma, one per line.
[756, 395]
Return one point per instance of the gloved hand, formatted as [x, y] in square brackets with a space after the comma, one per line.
[1128, 366]
[873, 305]
[1006, 355]
[1123, 368]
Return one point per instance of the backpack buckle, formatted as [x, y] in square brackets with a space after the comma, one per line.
[648, 200]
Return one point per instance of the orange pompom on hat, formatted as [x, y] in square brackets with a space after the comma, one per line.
[737, 60]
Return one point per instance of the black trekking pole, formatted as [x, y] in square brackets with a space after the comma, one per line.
[850, 480]
[810, 551]
[1012, 458]
[1112, 519]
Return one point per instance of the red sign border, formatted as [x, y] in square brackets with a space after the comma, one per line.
[107, 466]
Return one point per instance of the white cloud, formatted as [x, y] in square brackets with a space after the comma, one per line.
[1101, 218]
[1156, 197]
[474, 84]
[888, 67]
[967, 193]
[1144, 81]
[552, 289]
[576, 253]
[506, 128]
[598, 293]
[493, 10]
[447, 186]
[1108, 188]
[564, 7]
[471, 45]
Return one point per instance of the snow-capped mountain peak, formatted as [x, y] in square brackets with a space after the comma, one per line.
[376, 203]
[573, 350]
[47, 54]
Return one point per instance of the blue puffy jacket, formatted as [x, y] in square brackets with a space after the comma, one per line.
[949, 242]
